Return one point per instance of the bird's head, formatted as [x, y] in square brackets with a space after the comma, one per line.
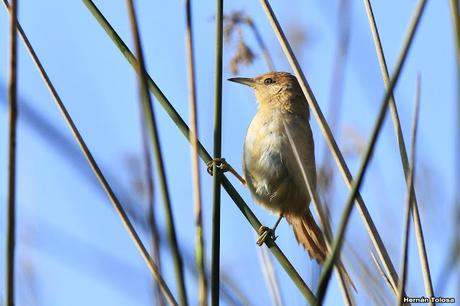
[274, 89]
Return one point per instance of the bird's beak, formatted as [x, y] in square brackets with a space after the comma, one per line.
[245, 81]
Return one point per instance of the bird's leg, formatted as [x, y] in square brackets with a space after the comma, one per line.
[222, 164]
[265, 232]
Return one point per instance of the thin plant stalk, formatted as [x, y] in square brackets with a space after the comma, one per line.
[217, 175]
[151, 213]
[153, 131]
[199, 240]
[324, 222]
[12, 155]
[325, 275]
[205, 156]
[97, 171]
[269, 274]
[335, 103]
[382, 273]
[370, 226]
[454, 7]
[403, 153]
[409, 202]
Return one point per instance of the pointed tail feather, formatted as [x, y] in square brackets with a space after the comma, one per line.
[310, 236]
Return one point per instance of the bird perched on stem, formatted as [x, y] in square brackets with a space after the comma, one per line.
[279, 160]
[270, 167]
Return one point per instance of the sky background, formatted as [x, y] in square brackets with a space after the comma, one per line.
[72, 248]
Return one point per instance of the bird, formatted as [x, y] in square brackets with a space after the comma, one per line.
[279, 161]
[271, 169]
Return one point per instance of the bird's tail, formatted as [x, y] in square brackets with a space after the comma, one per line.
[310, 236]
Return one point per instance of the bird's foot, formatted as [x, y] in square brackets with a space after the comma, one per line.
[265, 233]
[222, 164]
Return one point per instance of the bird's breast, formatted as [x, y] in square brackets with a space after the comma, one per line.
[264, 157]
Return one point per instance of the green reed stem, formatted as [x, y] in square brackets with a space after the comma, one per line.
[217, 177]
[153, 131]
[328, 265]
[12, 131]
[403, 153]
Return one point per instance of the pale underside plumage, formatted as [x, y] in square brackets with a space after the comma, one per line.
[273, 174]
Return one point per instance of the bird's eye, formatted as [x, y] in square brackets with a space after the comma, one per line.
[268, 81]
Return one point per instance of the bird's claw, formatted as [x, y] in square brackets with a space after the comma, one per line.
[264, 234]
[221, 163]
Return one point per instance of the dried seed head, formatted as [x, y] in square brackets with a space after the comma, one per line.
[243, 55]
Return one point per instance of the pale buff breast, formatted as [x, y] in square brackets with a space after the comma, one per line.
[267, 153]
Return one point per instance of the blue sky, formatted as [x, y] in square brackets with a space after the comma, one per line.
[99, 89]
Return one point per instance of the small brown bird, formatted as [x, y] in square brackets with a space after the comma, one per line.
[271, 169]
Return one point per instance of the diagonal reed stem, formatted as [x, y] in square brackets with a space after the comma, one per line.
[94, 166]
[455, 15]
[153, 131]
[199, 241]
[403, 152]
[151, 213]
[205, 156]
[325, 275]
[409, 202]
[335, 104]
[217, 174]
[325, 225]
[152, 226]
[12, 155]
[370, 226]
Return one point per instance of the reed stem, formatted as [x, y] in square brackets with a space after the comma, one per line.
[409, 202]
[403, 153]
[325, 275]
[199, 240]
[153, 131]
[12, 156]
[217, 175]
